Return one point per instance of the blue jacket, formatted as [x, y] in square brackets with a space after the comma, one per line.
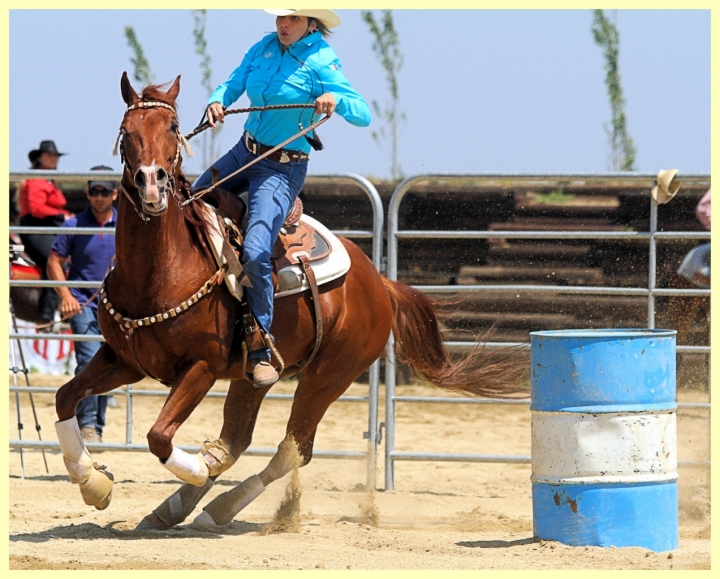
[90, 255]
[306, 70]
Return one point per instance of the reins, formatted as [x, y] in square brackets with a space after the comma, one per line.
[82, 307]
[128, 325]
[67, 317]
[199, 194]
[203, 124]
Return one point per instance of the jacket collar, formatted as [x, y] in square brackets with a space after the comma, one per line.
[308, 40]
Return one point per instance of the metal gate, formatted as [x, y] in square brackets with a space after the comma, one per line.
[498, 180]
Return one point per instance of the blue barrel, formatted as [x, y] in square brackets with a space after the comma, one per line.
[604, 443]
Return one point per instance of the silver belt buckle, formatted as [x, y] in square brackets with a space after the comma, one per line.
[284, 157]
[253, 148]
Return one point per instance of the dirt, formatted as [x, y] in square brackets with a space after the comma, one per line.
[441, 515]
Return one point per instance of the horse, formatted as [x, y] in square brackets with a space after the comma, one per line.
[25, 301]
[165, 315]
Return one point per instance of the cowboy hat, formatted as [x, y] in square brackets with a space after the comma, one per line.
[327, 17]
[665, 187]
[45, 147]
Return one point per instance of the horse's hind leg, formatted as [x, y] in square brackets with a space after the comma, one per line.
[240, 414]
[313, 396]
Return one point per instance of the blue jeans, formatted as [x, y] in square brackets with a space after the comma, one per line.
[90, 411]
[272, 188]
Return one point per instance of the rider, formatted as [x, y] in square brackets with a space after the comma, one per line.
[294, 65]
[42, 204]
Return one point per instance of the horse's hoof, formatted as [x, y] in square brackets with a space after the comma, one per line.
[151, 523]
[105, 503]
[97, 489]
[205, 522]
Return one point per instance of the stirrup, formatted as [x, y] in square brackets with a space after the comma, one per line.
[275, 359]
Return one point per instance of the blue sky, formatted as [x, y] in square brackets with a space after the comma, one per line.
[482, 90]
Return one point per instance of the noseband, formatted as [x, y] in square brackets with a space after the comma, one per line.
[145, 213]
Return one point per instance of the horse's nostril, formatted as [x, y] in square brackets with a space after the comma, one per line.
[162, 175]
[139, 179]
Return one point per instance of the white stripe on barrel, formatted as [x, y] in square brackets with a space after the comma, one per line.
[570, 447]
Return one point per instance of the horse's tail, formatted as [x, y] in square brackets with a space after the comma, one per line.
[419, 343]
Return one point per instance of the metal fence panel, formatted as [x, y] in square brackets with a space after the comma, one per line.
[394, 234]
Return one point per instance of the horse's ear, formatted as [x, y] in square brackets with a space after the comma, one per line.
[128, 92]
[174, 90]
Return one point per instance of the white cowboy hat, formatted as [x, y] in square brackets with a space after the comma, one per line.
[665, 187]
[327, 17]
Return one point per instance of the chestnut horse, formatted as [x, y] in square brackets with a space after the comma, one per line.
[164, 315]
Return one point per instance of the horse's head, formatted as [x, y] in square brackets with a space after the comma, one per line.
[151, 143]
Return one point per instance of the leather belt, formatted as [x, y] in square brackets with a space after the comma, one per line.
[281, 155]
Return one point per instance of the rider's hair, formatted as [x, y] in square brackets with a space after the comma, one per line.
[321, 28]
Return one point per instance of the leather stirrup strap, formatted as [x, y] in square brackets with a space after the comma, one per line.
[251, 329]
[315, 297]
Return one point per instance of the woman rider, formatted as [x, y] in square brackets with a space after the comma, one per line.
[294, 65]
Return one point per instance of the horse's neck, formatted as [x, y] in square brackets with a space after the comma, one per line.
[150, 250]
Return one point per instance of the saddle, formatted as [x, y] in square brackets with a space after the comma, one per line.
[305, 255]
[22, 267]
[298, 240]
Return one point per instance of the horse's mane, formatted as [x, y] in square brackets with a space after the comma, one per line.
[194, 217]
[154, 92]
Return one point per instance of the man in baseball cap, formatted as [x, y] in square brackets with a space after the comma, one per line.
[89, 257]
[102, 184]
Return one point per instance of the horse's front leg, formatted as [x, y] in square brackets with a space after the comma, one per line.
[188, 390]
[104, 373]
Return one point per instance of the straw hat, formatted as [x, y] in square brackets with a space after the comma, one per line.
[665, 187]
[327, 17]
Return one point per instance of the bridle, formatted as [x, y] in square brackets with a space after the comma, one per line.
[166, 189]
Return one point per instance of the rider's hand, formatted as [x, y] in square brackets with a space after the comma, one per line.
[325, 104]
[69, 307]
[215, 113]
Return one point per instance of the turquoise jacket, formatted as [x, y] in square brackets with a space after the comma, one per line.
[306, 70]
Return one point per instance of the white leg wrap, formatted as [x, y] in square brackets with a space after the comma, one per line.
[223, 508]
[252, 489]
[77, 458]
[190, 468]
[94, 481]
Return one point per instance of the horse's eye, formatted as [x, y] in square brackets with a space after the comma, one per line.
[174, 126]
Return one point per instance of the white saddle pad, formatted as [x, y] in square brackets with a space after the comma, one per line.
[291, 279]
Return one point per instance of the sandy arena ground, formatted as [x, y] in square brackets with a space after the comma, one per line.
[441, 515]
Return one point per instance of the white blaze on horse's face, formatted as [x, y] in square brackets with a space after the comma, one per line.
[152, 182]
[151, 143]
